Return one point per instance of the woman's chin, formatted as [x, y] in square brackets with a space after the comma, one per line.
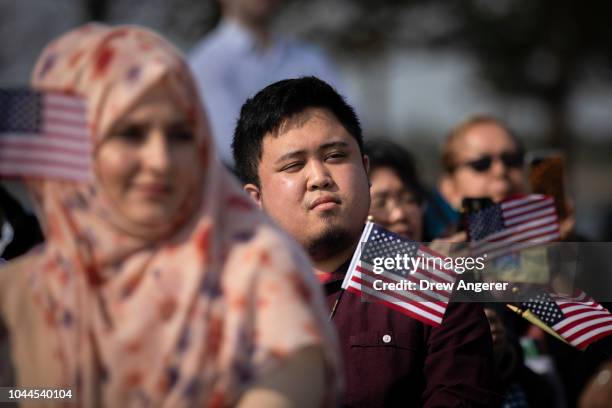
[152, 215]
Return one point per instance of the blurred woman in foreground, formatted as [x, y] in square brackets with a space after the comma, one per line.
[159, 283]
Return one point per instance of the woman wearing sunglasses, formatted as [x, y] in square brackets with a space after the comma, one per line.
[481, 158]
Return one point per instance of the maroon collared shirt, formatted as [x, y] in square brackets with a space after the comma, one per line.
[392, 360]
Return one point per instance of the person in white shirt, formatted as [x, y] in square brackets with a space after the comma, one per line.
[243, 55]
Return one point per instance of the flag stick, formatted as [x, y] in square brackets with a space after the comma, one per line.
[530, 317]
[335, 306]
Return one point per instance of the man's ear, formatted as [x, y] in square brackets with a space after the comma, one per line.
[366, 165]
[254, 192]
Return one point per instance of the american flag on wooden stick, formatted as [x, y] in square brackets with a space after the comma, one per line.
[513, 225]
[426, 305]
[578, 319]
[43, 135]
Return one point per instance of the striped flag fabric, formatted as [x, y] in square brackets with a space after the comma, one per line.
[43, 135]
[425, 305]
[513, 225]
[578, 319]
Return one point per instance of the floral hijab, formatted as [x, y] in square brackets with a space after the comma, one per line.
[187, 313]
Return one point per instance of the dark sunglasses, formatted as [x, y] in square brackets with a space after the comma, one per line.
[509, 159]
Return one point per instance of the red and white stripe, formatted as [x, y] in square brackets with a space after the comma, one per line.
[427, 306]
[528, 221]
[585, 320]
[61, 150]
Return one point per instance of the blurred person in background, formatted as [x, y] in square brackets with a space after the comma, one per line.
[298, 148]
[522, 387]
[19, 230]
[598, 392]
[397, 196]
[241, 56]
[481, 157]
[160, 283]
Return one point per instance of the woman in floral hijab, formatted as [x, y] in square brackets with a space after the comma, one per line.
[159, 283]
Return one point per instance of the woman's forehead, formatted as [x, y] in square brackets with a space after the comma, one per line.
[484, 138]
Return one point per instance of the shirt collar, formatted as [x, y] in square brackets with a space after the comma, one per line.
[338, 274]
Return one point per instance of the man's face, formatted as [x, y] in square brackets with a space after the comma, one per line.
[313, 182]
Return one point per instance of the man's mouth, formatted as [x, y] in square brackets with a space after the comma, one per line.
[324, 203]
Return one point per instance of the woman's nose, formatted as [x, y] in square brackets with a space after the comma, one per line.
[397, 213]
[498, 167]
[156, 151]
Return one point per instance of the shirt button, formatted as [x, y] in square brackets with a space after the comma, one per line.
[386, 338]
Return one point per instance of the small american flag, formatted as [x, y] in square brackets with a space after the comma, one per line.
[43, 135]
[513, 225]
[427, 305]
[578, 319]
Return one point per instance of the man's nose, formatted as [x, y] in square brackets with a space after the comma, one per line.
[319, 177]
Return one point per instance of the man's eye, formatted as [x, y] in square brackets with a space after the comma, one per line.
[292, 167]
[336, 156]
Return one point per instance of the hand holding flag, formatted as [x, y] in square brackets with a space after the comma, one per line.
[513, 225]
[578, 319]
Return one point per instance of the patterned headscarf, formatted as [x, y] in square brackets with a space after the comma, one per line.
[189, 312]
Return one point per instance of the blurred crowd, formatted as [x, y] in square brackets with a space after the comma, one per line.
[161, 283]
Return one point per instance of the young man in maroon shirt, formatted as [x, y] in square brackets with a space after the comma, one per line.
[298, 147]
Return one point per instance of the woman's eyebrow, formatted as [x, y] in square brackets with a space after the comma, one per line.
[180, 123]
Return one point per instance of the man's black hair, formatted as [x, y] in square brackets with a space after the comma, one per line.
[384, 153]
[271, 107]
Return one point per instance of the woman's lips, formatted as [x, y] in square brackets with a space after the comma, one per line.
[402, 230]
[154, 189]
